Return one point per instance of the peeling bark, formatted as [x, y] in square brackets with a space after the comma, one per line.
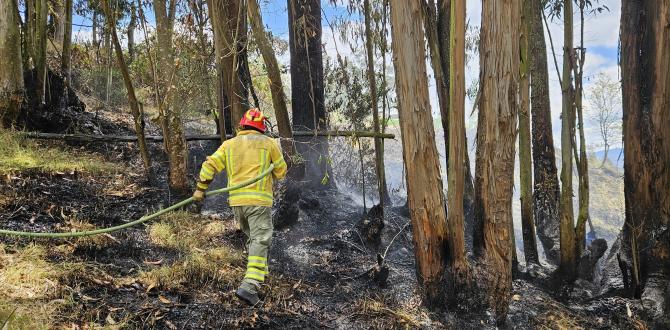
[427, 211]
[496, 134]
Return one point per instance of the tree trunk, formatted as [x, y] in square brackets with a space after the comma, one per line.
[546, 190]
[379, 149]
[496, 134]
[11, 73]
[439, 60]
[107, 45]
[94, 32]
[40, 50]
[459, 274]
[228, 24]
[645, 45]
[58, 8]
[307, 93]
[567, 232]
[582, 162]
[198, 9]
[67, 43]
[427, 211]
[132, 25]
[276, 86]
[66, 54]
[525, 164]
[437, 26]
[172, 126]
[132, 99]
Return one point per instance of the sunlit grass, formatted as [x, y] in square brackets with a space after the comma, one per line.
[18, 154]
[184, 231]
[31, 289]
[198, 268]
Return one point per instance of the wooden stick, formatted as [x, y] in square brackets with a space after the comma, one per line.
[214, 137]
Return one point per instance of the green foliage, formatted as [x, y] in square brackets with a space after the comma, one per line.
[18, 154]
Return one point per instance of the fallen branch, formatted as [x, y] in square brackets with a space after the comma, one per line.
[214, 137]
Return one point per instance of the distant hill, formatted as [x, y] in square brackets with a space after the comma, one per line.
[615, 156]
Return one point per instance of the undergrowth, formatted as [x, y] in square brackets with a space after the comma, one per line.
[202, 261]
[18, 154]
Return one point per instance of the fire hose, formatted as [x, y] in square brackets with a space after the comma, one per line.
[140, 220]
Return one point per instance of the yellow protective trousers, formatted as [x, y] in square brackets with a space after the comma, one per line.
[256, 223]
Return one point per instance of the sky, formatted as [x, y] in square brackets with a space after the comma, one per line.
[600, 38]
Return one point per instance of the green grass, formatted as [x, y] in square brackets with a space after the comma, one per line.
[18, 154]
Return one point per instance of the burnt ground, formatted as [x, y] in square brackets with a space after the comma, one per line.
[320, 262]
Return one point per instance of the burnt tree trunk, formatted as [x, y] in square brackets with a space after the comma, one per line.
[427, 211]
[525, 164]
[645, 45]
[496, 134]
[307, 93]
[546, 190]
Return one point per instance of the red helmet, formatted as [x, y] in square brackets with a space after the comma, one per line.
[254, 118]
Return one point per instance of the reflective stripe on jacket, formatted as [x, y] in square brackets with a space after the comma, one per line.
[244, 157]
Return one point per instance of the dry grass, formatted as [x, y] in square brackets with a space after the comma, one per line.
[18, 154]
[95, 242]
[184, 231]
[406, 317]
[31, 288]
[558, 320]
[203, 261]
[214, 267]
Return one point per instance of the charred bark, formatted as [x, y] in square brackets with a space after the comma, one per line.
[546, 190]
[525, 164]
[307, 93]
[645, 43]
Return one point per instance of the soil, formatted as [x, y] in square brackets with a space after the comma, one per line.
[324, 273]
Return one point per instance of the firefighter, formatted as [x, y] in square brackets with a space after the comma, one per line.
[244, 157]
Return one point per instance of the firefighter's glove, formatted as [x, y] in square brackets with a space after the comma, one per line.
[198, 196]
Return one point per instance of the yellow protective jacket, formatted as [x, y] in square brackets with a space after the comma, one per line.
[244, 157]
